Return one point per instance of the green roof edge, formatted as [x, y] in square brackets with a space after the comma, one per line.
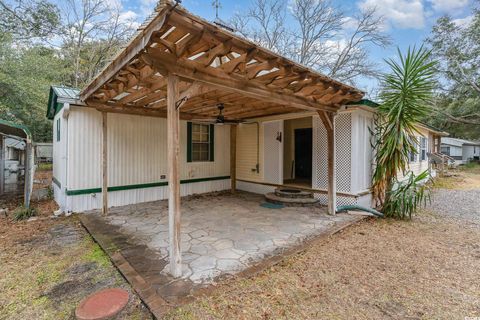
[364, 102]
[52, 100]
[18, 126]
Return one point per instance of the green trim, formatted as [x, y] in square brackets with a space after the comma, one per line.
[59, 107]
[54, 180]
[189, 142]
[141, 186]
[212, 143]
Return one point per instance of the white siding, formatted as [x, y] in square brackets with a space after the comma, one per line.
[362, 153]
[469, 152]
[137, 148]
[418, 166]
[59, 156]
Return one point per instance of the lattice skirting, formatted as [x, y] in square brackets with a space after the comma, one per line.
[343, 150]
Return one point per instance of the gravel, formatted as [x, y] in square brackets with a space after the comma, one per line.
[460, 205]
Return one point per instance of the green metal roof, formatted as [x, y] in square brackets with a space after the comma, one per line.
[364, 102]
[14, 129]
[56, 92]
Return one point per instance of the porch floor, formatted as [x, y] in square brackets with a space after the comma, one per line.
[222, 234]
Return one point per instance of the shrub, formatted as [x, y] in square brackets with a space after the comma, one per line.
[23, 213]
[407, 195]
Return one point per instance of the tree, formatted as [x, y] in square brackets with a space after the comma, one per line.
[316, 34]
[406, 96]
[93, 32]
[457, 48]
[27, 19]
[25, 78]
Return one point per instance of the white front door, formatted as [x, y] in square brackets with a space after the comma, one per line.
[273, 151]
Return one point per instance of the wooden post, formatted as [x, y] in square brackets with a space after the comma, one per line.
[233, 158]
[173, 128]
[104, 164]
[328, 119]
[28, 173]
[2, 164]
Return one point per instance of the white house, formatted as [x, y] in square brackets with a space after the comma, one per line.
[461, 150]
[189, 107]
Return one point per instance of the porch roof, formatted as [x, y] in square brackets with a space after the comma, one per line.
[214, 66]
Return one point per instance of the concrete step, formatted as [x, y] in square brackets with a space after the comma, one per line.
[290, 202]
[293, 193]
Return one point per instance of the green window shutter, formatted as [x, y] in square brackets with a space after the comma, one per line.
[58, 129]
[189, 142]
[212, 143]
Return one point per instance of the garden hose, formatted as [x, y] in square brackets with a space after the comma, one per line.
[356, 207]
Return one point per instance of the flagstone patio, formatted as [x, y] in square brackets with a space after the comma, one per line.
[222, 234]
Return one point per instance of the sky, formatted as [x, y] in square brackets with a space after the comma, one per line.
[407, 22]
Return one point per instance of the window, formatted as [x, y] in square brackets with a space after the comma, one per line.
[445, 150]
[423, 149]
[200, 142]
[58, 129]
[412, 156]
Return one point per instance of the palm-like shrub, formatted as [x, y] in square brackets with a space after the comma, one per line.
[405, 99]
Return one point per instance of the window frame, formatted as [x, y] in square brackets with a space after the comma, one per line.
[423, 148]
[413, 156]
[191, 142]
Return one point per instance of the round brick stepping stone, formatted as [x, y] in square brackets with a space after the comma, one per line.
[102, 304]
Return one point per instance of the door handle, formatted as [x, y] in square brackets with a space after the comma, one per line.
[279, 136]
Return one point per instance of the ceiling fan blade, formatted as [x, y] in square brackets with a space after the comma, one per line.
[205, 120]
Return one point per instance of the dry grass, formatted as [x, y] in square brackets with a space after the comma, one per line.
[426, 268]
[49, 265]
[464, 178]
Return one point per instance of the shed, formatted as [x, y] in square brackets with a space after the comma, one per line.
[17, 140]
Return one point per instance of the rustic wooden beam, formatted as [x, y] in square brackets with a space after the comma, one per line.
[233, 158]
[216, 77]
[135, 46]
[104, 164]
[328, 119]
[138, 111]
[173, 151]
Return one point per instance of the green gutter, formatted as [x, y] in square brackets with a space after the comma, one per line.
[141, 186]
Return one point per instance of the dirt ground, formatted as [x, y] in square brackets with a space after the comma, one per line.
[426, 268]
[48, 265]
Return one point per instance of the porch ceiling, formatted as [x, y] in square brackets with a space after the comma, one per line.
[214, 66]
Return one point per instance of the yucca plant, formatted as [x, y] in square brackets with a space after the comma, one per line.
[407, 195]
[405, 96]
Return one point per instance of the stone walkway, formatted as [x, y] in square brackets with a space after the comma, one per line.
[222, 235]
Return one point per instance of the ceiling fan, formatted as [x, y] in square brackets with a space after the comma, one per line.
[220, 119]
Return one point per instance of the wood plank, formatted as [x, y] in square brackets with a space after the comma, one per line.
[138, 111]
[104, 164]
[233, 158]
[129, 53]
[173, 132]
[188, 69]
[328, 119]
